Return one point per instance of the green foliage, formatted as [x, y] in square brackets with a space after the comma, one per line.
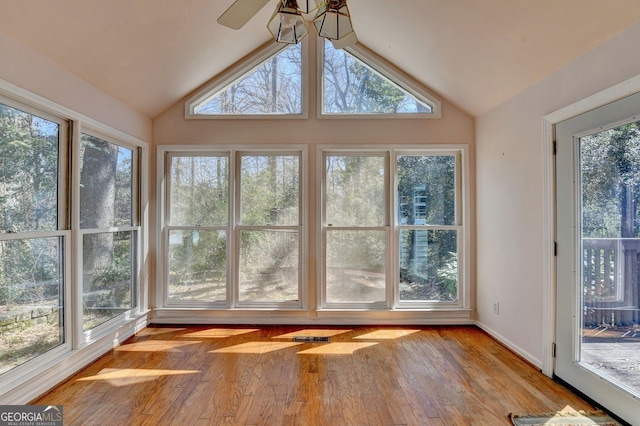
[28, 171]
[355, 190]
[437, 175]
[610, 167]
[28, 202]
[30, 271]
[197, 253]
[352, 87]
[373, 94]
[270, 190]
[199, 191]
[448, 276]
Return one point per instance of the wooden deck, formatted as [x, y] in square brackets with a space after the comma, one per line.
[614, 353]
[259, 375]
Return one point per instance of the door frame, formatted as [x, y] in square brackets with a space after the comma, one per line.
[549, 121]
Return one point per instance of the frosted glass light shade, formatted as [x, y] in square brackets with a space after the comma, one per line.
[287, 24]
[333, 20]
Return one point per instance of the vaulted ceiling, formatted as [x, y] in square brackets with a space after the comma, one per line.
[475, 53]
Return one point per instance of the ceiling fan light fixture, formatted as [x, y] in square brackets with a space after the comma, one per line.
[307, 6]
[333, 20]
[287, 24]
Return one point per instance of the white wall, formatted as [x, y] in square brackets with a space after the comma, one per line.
[509, 191]
[30, 70]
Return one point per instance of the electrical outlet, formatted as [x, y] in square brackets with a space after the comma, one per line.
[496, 308]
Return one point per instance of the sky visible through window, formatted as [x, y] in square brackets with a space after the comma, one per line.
[353, 87]
[274, 87]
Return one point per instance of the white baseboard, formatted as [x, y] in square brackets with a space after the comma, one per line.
[68, 364]
[512, 346]
[170, 316]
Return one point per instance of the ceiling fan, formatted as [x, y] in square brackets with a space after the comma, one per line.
[332, 19]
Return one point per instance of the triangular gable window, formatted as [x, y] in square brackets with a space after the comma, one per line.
[352, 85]
[269, 84]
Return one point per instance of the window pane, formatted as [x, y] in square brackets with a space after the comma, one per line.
[269, 190]
[356, 268]
[31, 299]
[269, 266]
[355, 191]
[275, 87]
[428, 265]
[28, 172]
[353, 87]
[108, 277]
[106, 184]
[197, 265]
[426, 190]
[199, 191]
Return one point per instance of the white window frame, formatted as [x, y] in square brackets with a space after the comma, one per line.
[85, 337]
[386, 70]
[234, 152]
[393, 227]
[324, 227]
[245, 67]
[164, 238]
[63, 233]
[34, 377]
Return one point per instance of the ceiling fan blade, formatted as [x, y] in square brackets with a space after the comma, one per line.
[345, 41]
[240, 12]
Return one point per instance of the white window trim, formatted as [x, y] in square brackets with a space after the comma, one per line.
[386, 228]
[244, 67]
[163, 167]
[232, 152]
[463, 228]
[302, 292]
[386, 70]
[86, 337]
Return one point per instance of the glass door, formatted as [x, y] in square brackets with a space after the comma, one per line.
[598, 262]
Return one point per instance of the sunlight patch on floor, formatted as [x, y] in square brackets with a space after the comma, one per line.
[386, 334]
[155, 346]
[255, 348]
[154, 331]
[346, 348]
[219, 333]
[119, 377]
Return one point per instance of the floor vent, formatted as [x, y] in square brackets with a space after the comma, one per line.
[311, 339]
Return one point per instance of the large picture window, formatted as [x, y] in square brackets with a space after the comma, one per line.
[32, 237]
[233, 248]
[269, 240]
[198, 228]
[356, 231]
[428, 226]
[391, 248]
[108, 224]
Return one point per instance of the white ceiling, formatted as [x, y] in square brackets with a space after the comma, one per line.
[476, 53]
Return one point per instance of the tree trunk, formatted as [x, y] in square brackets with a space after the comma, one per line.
[97, 206]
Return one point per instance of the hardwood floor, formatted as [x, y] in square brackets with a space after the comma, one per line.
[259, 375]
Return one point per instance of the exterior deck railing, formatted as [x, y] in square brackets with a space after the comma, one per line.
[610, 281]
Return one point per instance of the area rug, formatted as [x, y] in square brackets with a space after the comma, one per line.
[564, 418]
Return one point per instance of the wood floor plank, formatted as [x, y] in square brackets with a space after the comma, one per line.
[213, 375]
